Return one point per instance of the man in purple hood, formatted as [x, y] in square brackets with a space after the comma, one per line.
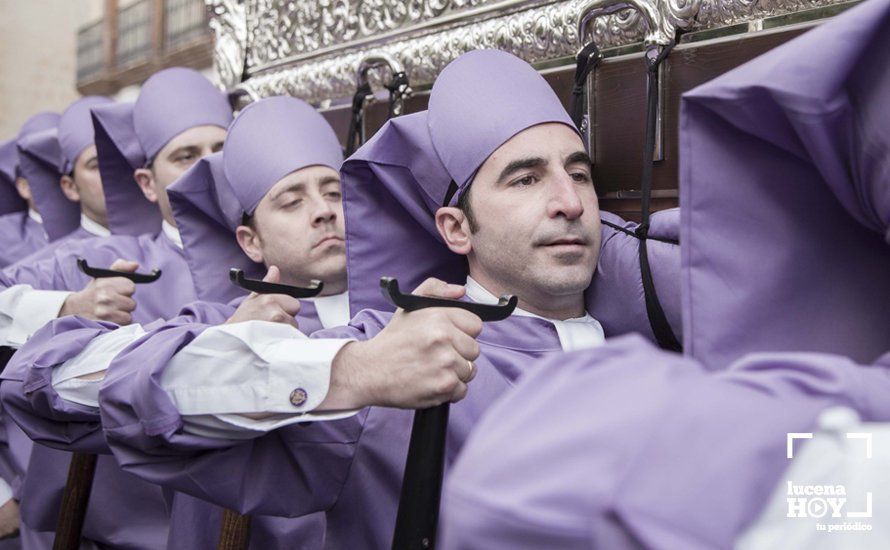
[786, 273]
[62, 169]
[530, 226]
[21, 225]
[178, 118]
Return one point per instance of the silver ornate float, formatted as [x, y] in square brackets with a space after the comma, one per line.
[312, 48]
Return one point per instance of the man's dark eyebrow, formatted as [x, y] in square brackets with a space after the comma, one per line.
[329, 179]
[185, 148]
[292, 188]
[521, 164]
[579, 157]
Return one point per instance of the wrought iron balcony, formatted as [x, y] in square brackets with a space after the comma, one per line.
[133, 41]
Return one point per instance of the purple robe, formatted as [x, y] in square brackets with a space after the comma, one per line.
[786, 222]
[137, 516]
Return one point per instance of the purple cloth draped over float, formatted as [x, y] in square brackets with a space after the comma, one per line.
[786, 225]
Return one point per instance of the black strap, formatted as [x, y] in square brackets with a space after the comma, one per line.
[664, 335]
[633, 234]
[587, 60]
[354, 137]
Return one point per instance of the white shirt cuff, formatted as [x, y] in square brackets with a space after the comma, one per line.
[255, 367]
[35, 308]
[5, 492]
[93, 359]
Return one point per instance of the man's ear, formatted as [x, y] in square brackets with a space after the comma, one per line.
[249, 241]
[21, 185]
[66, 182]
[146, 181]
[454, 228]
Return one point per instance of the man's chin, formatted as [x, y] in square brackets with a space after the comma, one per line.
[562, 281]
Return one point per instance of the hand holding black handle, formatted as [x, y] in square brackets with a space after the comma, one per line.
[418, 515]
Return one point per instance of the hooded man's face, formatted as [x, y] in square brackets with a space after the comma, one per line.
[84, 185]
[174, 159]
[530, 224]
[298, 226]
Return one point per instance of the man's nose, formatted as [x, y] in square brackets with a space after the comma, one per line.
[323, 211]
[564, 199]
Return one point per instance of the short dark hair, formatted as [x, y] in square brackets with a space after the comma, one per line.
[248, 220]
[463, 203]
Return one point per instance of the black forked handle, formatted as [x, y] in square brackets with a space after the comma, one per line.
[99, 273]
[263, 287]
[417, 518]
[410, 302]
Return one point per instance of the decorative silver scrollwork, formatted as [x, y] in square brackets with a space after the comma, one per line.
[229, 24]
[311, 49]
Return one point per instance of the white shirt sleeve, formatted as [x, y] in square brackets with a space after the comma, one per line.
[68, 378]
[807, 509]
[5, 492]
[270, 371]
[24, 310]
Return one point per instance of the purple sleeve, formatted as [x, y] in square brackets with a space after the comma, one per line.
[144, 431]
[42, 275]
[615, 297]
[28, 395]
[27, 391]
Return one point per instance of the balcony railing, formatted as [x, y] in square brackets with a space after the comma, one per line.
[134, 26]
[90, 55]
[134, 41]
[184, 22]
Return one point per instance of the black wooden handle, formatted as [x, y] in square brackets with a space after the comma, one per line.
[99, 273]
[410, 302]
[74, 501]
[262, 287]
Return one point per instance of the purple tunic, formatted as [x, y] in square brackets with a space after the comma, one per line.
[785, 227]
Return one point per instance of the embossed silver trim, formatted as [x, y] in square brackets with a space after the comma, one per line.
[312, 50]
